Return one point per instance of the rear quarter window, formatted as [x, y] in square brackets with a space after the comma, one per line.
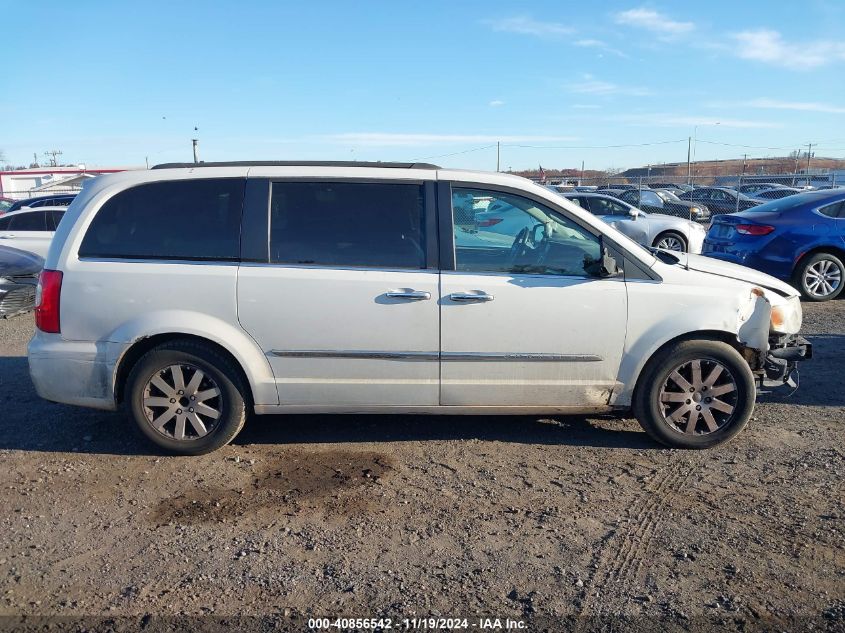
[182, 219]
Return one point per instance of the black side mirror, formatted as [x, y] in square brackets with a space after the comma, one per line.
[605, 266]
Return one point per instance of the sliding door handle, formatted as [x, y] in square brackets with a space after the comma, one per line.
[468, 297]
[410, 295]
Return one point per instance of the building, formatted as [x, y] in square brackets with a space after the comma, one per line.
[28, 183]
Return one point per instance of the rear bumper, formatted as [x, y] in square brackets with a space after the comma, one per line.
[774, 264]
[781, 365]
[72, 372]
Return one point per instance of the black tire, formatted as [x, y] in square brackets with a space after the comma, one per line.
[800, 281]
[672, 234]
[652, 414]
[230, 405]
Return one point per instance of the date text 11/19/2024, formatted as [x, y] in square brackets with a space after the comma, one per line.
[411, 624]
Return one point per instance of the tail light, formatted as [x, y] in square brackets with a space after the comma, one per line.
[47, 299]
[490, 222]
[754, 229]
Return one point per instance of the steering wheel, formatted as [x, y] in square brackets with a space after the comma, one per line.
[519, 246]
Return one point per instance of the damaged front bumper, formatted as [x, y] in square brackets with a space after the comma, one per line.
[781, 363]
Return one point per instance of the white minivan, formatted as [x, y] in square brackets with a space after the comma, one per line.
[192, 295]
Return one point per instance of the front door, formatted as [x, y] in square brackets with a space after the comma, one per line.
[346, 308]
[526, 320]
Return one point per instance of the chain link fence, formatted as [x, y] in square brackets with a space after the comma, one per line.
[698, 197]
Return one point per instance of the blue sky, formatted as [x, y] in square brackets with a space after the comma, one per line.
[118, 83]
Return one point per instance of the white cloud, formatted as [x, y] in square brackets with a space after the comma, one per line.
[768, 46]
[385, 139]
[672, 120]
[592, 86]
[529, 26]
[775, 104]
[653, 21]
[591, 43]
[495, 103]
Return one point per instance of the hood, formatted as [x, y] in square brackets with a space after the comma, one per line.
[18, 263]
[713, 266]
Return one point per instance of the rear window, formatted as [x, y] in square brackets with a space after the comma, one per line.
[347, 224]
[182, 219]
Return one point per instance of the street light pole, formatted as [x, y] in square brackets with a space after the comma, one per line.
[695, 138]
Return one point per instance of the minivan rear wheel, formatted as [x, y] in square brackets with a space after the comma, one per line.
[186, 397]
[695, 394]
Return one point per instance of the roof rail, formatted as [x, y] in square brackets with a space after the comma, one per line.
[298, 163]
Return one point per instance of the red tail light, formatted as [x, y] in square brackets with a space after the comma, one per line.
[490, 222]
[47, 301]
[754, 229]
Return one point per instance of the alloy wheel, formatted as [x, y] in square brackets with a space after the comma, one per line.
[822, 278]
[670, 243]
[699, 397]
[182, 402]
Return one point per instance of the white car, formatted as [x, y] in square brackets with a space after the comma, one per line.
[195, 295]
[30, 230]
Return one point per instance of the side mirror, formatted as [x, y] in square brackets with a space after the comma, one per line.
[634, 213]
[605, 266]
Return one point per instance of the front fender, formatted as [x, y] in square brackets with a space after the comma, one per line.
[747, 324]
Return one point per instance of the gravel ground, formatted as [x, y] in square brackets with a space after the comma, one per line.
[567, 523]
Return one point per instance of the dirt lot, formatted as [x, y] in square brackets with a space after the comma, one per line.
[561, 524]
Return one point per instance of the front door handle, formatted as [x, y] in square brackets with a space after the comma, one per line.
[467, 297]
[410, 295]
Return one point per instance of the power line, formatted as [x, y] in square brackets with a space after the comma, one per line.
[466, 151]
[683, 140]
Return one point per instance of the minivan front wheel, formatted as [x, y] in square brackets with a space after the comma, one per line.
[186, 397]
[695, 394]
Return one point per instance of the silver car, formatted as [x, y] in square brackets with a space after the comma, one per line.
[660, 231]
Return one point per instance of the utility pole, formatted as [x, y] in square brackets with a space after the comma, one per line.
[581, 179]
[52, 157]
[498, 154]
[739, 186]
[194, 142]
[809, 155]
[689, 164]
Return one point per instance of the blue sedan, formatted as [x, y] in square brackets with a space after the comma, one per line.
[799, 239]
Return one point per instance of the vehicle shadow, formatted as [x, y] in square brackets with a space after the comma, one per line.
[820, 378]
[29, 423]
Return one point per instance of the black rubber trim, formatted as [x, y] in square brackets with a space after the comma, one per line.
[444, 226]
[255, 221]
[432, 256]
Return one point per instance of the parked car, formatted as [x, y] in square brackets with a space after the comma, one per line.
[619, 186]
[30, 229]
[504, 219]
[676, 188]
[5, 203]
[18, 280]
[750, 188]
[192, 295]
[799, 239]
[665, 202]
[57, 200]
[774, 194]
[661, 231]
[719, 199]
